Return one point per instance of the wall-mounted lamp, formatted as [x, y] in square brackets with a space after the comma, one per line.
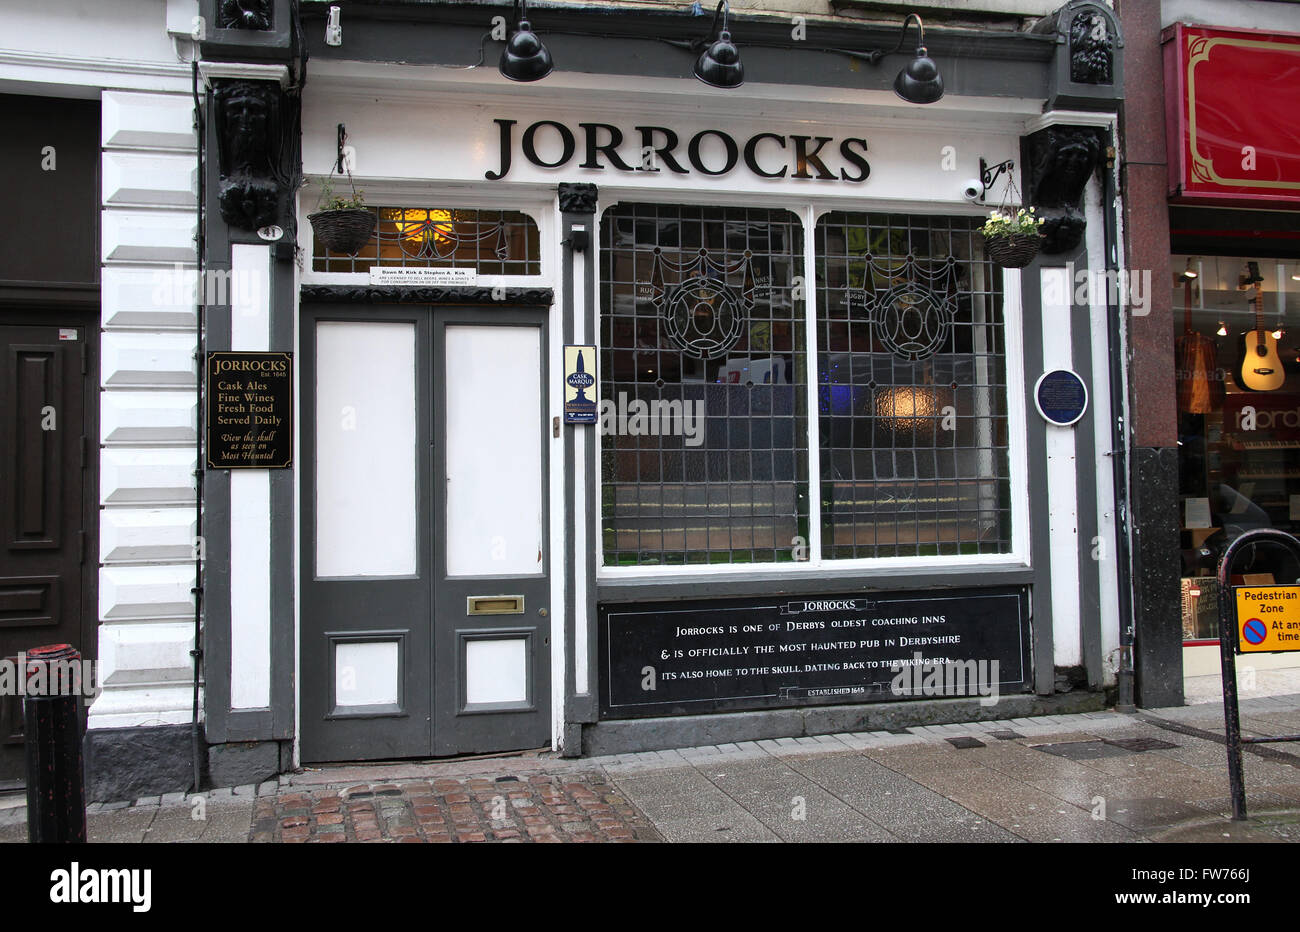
[1296, 277]
[1189, 272]
[719, 64]
[525, 58]
[919, 82]
[1223, 329]
[334, 27]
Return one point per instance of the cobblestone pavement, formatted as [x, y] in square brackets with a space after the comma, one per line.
[579, 807]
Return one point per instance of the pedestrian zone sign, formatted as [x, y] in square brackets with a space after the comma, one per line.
[1268, 619]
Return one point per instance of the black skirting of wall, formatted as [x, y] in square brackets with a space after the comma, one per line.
[1157, 609]
[131, 763]
[687, 731]
[128, 763]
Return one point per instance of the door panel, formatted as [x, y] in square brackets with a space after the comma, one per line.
[366, 577]
[425, 628]
[43, 497]
[492, 675]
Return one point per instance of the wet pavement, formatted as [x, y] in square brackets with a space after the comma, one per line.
[1156, 776]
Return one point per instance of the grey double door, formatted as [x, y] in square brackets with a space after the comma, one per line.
[425, 622]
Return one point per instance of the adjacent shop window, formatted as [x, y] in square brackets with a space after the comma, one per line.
[704, 431]
[1237, 374]
[911, 387]
[492, 242]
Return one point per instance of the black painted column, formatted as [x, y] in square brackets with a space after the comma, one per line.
[581, 478]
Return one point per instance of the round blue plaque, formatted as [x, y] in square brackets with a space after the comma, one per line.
[1061, 397]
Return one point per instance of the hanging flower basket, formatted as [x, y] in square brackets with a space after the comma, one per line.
[1013, 250]
[344, 231]
[1012, 240]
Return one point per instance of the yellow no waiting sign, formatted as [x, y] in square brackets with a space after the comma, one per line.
[1268, 619]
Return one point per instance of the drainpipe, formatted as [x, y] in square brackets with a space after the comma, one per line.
[1119, 451]
[200, 356]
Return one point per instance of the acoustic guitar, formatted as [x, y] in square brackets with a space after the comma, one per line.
[1259, 368]
[1195, 351]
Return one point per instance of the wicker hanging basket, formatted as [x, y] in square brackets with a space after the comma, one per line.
[343, 231]
[1013, 250]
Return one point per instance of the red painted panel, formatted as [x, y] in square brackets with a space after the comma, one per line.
[1234, 135]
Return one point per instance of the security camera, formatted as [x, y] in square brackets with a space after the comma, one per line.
[973, 191]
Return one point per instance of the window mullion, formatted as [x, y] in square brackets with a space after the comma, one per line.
[811, 367]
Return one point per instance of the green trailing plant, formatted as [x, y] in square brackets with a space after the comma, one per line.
[331, 200]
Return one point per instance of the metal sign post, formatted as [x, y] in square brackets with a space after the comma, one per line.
[1235, 630]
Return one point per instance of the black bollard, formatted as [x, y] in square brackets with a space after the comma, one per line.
[56, 792]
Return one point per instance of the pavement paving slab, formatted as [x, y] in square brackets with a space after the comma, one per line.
[791, 805]
[907, 810]
[687, 806]
[1092, 777]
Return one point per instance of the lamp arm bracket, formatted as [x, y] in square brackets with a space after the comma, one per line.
[723, 5]
[875, 55]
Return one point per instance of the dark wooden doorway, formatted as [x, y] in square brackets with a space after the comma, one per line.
[48, 495]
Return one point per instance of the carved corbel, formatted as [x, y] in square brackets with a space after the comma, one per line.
[1062, 159]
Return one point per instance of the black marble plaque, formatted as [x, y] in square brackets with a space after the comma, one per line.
[249, 410]
[695, 657]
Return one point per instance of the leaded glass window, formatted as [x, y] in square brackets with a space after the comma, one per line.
[492, 242]
[912, 395]
[702, 385]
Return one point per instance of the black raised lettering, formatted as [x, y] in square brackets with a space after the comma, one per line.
[609, 149]
[751, 155]
[664, 152]
[856, 158]
[693, 151]
[567, 142]
[803, 158]
[506, 132]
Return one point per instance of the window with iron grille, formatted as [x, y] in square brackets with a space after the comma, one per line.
[492, 242]
[703, 419]
[702, 309]
[912, 395]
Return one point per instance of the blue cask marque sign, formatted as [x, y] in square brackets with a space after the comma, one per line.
[580, 385]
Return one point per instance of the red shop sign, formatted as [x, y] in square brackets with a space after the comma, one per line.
[1232, 116]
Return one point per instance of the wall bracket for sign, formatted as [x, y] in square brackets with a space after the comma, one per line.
[1268, 630]
[989, 174]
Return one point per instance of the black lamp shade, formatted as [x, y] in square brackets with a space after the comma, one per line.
[524, 57]
[919, 82]
[719, 65]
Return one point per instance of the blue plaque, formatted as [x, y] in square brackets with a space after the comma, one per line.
[1061, 397]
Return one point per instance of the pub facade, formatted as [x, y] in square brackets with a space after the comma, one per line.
[666, 390]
